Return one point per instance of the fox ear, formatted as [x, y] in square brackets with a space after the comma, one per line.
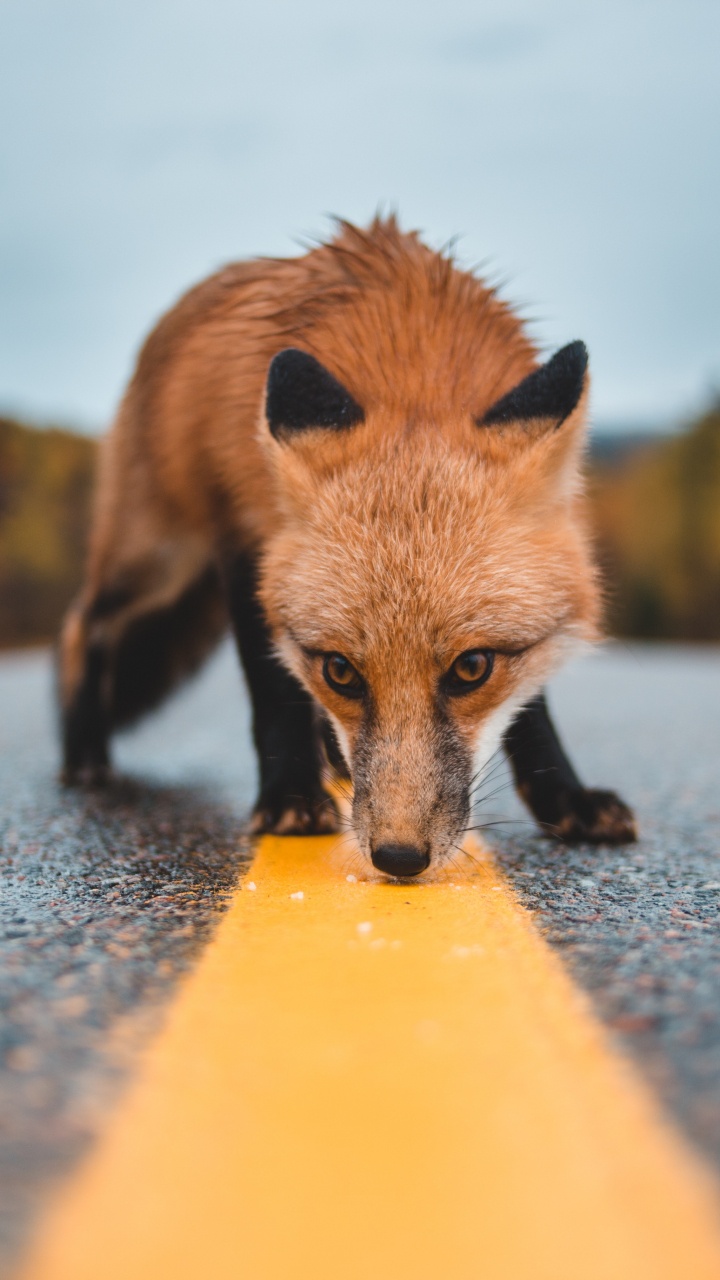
[302, 394]
[548, 394]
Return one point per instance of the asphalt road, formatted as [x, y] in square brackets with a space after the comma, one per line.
[107, 898]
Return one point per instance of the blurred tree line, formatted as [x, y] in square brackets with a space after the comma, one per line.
[45, 488]
[655, 508]
[657, 522]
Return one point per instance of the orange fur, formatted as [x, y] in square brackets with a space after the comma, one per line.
[399, 543]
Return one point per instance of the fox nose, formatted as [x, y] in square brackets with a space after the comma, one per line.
[400, 859]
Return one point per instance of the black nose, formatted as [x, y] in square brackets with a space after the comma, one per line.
[400, 859]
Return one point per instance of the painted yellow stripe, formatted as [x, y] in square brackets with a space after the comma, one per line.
[427, 1097]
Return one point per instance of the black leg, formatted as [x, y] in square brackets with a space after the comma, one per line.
[85, 727]
[292, 800]
[552, 790]
[127, 668]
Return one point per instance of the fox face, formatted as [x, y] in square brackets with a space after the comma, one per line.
[426, 579]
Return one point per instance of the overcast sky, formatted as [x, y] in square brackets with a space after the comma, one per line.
[573, 146]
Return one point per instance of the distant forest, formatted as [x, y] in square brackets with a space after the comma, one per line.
[656, 512]
[46, 479]
[655, 508]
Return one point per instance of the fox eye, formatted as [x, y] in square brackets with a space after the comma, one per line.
[342, 676]
[469, 671]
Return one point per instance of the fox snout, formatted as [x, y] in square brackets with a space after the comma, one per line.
[411, 797]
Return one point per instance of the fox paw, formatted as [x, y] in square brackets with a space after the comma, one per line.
[86, 775]
[585, 816]
[294, 815]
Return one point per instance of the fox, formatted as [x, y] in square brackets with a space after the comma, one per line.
[357, 460]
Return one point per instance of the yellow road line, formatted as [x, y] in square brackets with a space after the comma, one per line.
[381, 1081]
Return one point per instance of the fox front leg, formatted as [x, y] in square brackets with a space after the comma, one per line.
[552, 790]
[292, 799]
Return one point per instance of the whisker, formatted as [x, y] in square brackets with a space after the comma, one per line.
[466, 854]
[489, 769]
[503, 822]
[453, 860]
[343, 786]
[488, 795]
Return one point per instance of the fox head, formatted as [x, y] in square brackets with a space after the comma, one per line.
[426, 578]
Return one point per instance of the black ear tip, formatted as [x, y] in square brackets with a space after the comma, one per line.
[550, 392]
[288, 364]
[574, 356]
[301, 393]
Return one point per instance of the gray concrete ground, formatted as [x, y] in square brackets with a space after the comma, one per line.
[107, 898]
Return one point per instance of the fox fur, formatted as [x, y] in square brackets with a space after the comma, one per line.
[426, 528]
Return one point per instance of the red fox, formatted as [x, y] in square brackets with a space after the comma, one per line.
[356, 457]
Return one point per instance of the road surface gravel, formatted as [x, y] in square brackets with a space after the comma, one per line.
[108, 897]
